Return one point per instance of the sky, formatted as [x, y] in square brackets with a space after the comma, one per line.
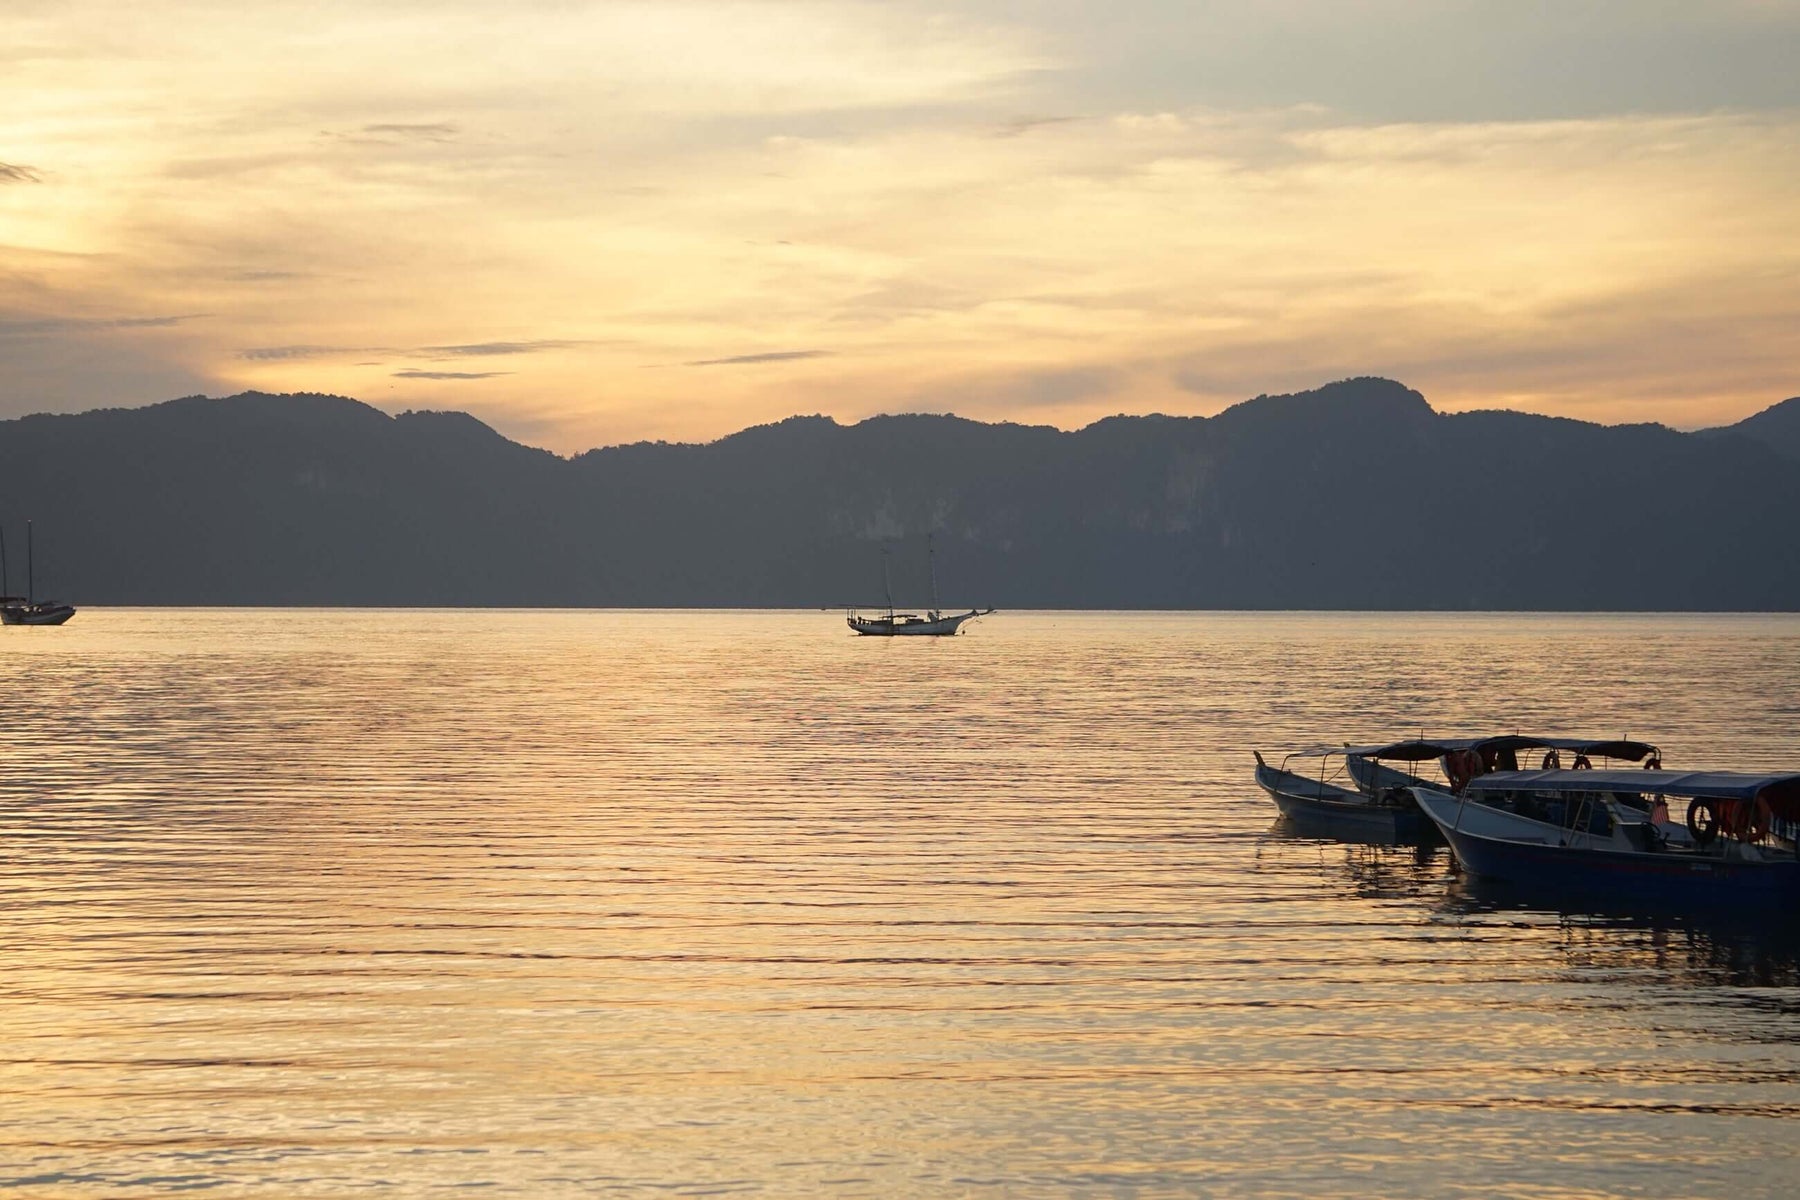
[597, 221]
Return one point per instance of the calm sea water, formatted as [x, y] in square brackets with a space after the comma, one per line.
[662, 903]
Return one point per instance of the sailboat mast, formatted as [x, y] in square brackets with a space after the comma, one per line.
[887, 589]
[931, 559]
[5, 587]
[30, 569]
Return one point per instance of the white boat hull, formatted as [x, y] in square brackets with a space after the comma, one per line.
[911, 626]
[1314, 803]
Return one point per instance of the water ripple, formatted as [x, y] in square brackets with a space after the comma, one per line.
[322, 903]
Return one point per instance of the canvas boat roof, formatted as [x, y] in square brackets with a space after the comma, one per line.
[1780, 788]
[1420, 749]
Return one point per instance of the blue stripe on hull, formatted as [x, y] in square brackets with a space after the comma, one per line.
[1651, 875]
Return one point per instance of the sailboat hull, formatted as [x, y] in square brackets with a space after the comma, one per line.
[27, 609]
[909, 626]
[36, 614]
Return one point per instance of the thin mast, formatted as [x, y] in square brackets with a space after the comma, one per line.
[931, 558]
[5, 587]
[30, 569]
[886, 588]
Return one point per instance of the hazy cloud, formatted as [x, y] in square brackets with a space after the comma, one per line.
[1058, 388]
[448, 374]
[428, 132]
[85, 369]
[471, 350]
[35, 326]
[1019, 126]
[254, 276]
[1041, 393]
[487, 349]
[773, 356]
[292, 353]
[1034, 208]
[1402, 61]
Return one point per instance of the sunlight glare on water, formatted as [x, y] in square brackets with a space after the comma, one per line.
[333, 902]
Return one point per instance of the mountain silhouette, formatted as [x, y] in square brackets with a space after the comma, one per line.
[1354, 495]
[1777, 427]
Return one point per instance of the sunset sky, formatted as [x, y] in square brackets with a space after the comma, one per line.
[589, 222]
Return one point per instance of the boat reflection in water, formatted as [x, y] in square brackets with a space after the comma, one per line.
[1628, 940]
[1371, 867]
[1706, 947]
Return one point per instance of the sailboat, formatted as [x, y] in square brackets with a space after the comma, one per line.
[28, 610]
[934, 622]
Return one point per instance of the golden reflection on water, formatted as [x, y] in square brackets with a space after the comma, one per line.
[312, 903]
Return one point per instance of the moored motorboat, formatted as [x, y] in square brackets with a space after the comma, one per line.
[1355, 791]
[1609, 830]
[1321, 804]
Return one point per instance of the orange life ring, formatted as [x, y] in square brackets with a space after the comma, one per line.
[1747, 822]
[1552, 760]
[1461, 766]
[1582, 763]
[1653, 763]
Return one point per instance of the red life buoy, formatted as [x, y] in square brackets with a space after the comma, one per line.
[1653, 763]
[1746, 822]
[1582, 763]
[1552, 760]
[1461, 766]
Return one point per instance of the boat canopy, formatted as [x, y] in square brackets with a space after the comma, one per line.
[1780, 789]
[1420, 749]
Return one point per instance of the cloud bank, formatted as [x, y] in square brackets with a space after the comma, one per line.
[1039, 211]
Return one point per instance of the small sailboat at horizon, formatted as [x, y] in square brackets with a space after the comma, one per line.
[934, 622]
[28, 609]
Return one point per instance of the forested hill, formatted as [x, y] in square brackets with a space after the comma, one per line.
[1356, 495]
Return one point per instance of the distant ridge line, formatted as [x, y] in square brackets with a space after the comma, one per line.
[1355, 495]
